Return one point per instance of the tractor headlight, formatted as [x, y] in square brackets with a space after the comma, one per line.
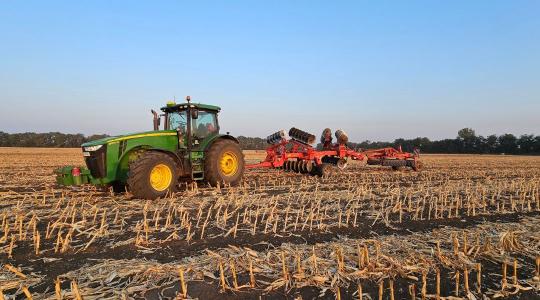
[93, 148]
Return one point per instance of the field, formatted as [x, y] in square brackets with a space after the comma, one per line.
[465, 227]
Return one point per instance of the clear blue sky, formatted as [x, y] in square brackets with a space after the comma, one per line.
[380, 70]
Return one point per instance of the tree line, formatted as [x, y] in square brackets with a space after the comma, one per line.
[48, 140]
[466, 142]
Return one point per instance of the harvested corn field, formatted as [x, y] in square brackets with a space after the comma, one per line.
[465, 227]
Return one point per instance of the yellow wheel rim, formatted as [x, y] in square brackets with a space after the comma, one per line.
[160, 177]
[228, 163]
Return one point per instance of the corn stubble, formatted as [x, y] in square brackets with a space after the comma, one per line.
[41, 222]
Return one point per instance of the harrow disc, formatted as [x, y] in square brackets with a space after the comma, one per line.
[286, 165]
[302, 136]
[326, 136]
[342, 137]
[309, 167]
[277, 137]
[303, 166]
[295, 165]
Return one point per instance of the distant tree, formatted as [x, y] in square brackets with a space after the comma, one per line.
[446, 146]
[536, 148]
[466, 134]
[526, 143]
[469, 141]
[480, 145]
[4, 139]
[508, 144]
[492, 143]
[95, 137]
[249, 143]
[409, 145]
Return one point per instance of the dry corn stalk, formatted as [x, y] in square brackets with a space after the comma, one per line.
[75, 290]
[58, 289]
[438, 284]
[183, 286]
[412, 291]
[15, 271]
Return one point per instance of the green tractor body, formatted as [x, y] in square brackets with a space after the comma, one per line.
[150, 164]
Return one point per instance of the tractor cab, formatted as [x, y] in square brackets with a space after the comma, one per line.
[197, 127]
[194, 122]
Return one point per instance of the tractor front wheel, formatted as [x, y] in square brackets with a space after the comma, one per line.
[152, 175]
[224, 163]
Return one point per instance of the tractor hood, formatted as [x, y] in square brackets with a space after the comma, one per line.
[130, 136]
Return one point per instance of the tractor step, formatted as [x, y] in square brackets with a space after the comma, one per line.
[197, 171]
[197, 175]
[197, 165]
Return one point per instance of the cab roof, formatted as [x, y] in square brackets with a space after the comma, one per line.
[178, 106]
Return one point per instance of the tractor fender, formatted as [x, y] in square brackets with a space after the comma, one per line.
[173, 155]
[224, 136]
[219, 138]
[123, 162]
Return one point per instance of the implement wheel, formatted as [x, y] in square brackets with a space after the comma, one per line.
[224, 163]
[416, 165]
[322, 170]
[152, 175]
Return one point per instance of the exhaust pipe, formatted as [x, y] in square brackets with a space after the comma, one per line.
[156, 120]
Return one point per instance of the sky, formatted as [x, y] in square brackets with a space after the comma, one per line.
[380, 70]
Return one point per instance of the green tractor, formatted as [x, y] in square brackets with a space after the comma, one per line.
[152, 164]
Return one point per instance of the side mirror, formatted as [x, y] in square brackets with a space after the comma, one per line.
[194, 114]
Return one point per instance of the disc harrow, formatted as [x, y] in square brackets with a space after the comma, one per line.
[294, 152]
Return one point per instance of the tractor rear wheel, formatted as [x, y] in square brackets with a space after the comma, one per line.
[224, 163]
[152, 175]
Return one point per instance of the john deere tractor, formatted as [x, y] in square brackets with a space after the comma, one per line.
[189, 147]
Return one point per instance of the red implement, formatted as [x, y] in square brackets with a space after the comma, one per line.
[298, 155]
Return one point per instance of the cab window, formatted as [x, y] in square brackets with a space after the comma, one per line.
[205, 124]
[178, 121]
